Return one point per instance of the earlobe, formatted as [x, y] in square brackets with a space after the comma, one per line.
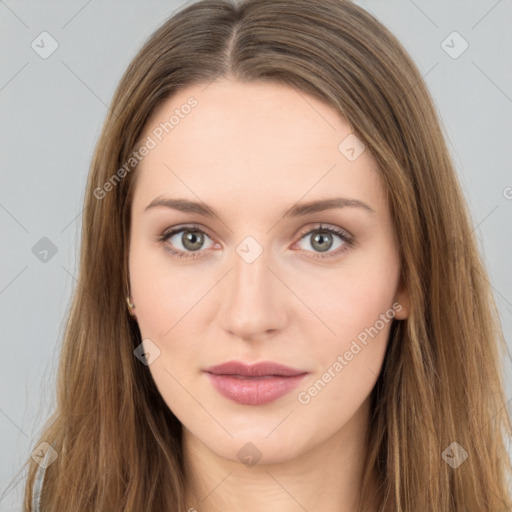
[131, 306]
[401, 304]
[401, 310]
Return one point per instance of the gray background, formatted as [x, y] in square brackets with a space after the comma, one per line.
[51, 113]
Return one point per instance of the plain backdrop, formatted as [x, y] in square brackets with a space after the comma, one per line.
[52, 108]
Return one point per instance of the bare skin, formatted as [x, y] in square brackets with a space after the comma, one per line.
[251, 151]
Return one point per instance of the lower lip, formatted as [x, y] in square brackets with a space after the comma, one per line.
[254, 390]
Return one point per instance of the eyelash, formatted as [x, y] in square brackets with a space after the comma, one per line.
[347, 240]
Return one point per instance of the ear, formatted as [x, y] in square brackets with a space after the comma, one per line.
[131, 306]
[401, 303]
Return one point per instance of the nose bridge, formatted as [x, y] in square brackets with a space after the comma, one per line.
[251, 306]
[250, 270]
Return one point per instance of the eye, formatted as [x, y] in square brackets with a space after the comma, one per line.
[322, 241]
[189, 241]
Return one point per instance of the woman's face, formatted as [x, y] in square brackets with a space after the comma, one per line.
[251, 283]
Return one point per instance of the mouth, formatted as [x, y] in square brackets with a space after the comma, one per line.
[256, 384]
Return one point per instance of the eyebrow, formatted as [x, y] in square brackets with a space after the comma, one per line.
[296, 210]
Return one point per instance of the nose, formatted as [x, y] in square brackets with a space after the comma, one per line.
[254, 300]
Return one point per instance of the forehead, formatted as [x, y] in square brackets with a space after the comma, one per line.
[257, 141]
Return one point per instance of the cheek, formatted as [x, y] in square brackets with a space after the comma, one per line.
[353, 299]
[154, 290]
[357, 306]
[349, 363]
[146, 289]
[167, 304]
[161, 300]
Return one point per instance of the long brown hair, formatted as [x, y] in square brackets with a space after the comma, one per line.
[119, 445]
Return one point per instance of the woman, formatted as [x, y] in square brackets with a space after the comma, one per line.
[215, 358]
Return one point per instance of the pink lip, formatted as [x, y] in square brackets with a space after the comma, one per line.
[255, 384]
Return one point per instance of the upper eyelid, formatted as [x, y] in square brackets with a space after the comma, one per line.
[191, 227]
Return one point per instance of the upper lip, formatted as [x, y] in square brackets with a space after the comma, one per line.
[254, 370]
